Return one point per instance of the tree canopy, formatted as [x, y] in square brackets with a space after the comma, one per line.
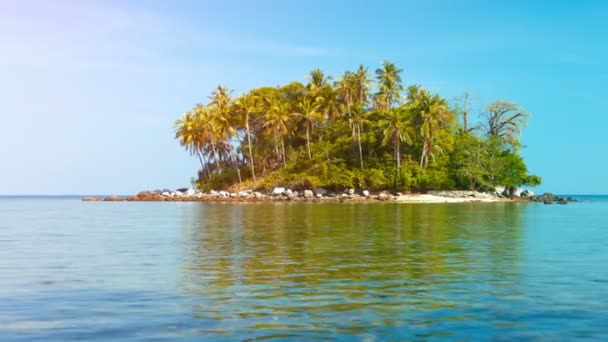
[349, 132]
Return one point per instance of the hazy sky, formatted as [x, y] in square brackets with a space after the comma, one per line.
[89, 90]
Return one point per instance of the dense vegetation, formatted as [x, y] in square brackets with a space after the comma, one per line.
[357, 131]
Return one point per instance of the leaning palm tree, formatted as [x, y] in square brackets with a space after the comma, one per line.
[248, 104]
[389, 82]
[397, 129]
[308, 110]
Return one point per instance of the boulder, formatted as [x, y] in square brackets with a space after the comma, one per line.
[295, 193]
[365, 193]
[232, 194]
[500, 190]
[165, 194]
[258, 194]
[292, 196]
[319, 196]
[213, 193]
[243, 194]
[288, 192]
[527, 193]
[384, 196]
[320, 191]
[189, 192]
[278, 191]
[351, 191]
[308, 194]
[178, 193]
[224, 193]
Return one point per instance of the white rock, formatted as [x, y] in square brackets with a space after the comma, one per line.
[166, 194]
[500, 189]
[213, 193]
[243, 194]
[365, 193]
[224, 193]
[200, 195]
[190, 192]
[258, 194]
[308, 194]
[278, 191]
[178, 194]
[351, 191]
[320, 191]
[288, 192]
[319, 196]
[232, 194]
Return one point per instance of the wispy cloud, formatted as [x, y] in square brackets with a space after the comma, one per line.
[92, 35]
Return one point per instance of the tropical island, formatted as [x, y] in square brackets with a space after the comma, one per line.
[354, 131]
[346, 137]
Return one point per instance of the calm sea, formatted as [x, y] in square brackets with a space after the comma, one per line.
[118, 271]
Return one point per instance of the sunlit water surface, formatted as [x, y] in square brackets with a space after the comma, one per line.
[72, 270]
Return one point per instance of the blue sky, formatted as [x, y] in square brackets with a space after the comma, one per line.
[89, 90]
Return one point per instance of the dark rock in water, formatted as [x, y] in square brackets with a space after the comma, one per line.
[547, 202]
[562, 201]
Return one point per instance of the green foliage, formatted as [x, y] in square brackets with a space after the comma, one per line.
[350, 134]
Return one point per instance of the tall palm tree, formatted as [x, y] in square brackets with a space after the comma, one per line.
[278, 120]
[433, 114]
[389, 83]
[308, 110]
[362, 84]
[222, 122]
[397, 129]
[248, 104]
[358, 120]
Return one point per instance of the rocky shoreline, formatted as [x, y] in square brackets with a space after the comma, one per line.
[281, 194]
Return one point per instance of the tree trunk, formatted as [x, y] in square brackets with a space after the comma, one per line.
[216, 157]
[398, 155]
[308, 140]
[465, 117]
[360, 149]
[284, 157]
[250, 149]
[235, 163]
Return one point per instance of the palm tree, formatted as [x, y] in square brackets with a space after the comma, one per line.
[357, 120]
[221, 122]
[433, 113]
[362, 85]
[278, 120]
[397, 129]
[248, 104]
[389, 82]
[187, 134]
[307, 110]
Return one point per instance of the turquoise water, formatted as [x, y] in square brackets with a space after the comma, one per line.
[72, 270]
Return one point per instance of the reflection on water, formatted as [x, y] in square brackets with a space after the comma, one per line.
[161, 271]
[297, 269]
